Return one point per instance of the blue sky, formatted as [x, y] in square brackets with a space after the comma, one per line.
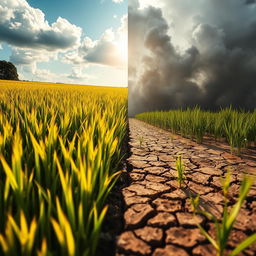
[94, 16]
[82, 41]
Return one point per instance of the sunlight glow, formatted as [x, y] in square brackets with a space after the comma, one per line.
[122, 47]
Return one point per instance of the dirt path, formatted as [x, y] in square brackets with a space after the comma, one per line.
[158, 216]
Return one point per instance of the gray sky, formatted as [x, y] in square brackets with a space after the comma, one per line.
[184, 53]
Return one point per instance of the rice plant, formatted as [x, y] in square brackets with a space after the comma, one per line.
[60, 150]
[180, 167]
[198, 124]
[238, 128]
[237, 131]
[225, 226]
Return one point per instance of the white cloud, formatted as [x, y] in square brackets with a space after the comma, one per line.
[145, 3]
[26, 27]
[77, 74]
[117, 1]
[45, 75]
[26, 61]
[29, 56]
[32, 72]
[33, 40]
[122, 31]
[109, 50]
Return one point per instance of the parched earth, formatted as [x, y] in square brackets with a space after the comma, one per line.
[158, 215]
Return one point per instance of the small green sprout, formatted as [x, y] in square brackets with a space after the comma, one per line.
[223, 228]
[141, 140]
[180, 167]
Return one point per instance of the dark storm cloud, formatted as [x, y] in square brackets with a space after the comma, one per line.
[250, 1]
[216, 68]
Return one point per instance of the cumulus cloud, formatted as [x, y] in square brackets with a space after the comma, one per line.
[30, 56]
[44, 75]
[186, 53]
[109, 50]
[103, 51]
[32, 72]
[77, 74]
[27, 59]
[33, 40]
[24, 26]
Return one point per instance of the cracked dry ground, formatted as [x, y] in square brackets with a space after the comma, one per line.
[158, 216]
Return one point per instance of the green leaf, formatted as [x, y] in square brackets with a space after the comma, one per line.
[210, 239]
[9, 173]
[243, 245]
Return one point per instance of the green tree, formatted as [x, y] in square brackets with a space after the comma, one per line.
[8, 71]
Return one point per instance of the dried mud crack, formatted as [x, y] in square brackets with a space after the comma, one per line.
[158, 217]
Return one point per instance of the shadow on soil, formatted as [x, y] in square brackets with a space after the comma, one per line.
[114, 223]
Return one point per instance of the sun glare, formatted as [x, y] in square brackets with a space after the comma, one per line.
[122, 48]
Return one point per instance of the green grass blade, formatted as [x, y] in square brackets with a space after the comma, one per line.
[243, 245]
